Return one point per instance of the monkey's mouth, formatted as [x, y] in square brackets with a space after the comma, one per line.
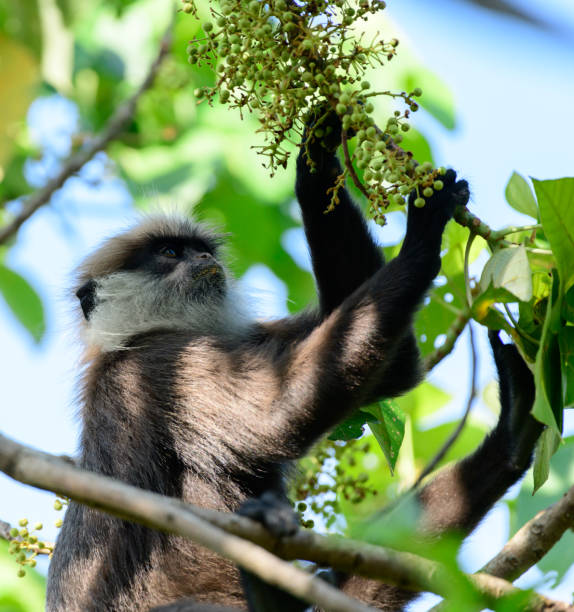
[205, 272]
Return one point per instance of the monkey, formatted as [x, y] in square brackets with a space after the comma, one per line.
[184, 394]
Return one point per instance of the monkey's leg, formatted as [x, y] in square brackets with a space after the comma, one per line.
[461, 495]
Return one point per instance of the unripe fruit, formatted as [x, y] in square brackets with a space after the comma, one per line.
[438, 185]
[419, 202]
[428, 191]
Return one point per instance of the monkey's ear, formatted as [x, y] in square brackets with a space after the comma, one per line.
[87, 296]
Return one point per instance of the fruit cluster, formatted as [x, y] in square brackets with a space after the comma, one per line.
[283, 60]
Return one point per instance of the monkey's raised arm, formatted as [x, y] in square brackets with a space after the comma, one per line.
[342, 249]
[344, 362]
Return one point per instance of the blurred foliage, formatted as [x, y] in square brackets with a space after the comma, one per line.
[15, 594]
[203, 158]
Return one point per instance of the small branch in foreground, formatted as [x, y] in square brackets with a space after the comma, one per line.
[452, 335]
[116, 124]
[454, 435]
[533, 540]
[350, 167]
[173, 516]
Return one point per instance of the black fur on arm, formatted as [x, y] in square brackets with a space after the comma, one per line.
[343, 252]
[461, 495]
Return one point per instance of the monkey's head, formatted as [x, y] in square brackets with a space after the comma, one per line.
[165, 273]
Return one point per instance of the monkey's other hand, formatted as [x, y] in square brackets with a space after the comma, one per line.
[425, 225]
[517, 429]
[273, 512]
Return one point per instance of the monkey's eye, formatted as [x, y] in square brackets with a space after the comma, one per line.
[168, 251]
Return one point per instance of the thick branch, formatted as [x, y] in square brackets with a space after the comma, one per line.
[116, 124]
[402, 569]
[48, 472]
[533, 540]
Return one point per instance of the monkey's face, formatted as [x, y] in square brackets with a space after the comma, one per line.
[164, 273]
[186, 267]
[171, 269]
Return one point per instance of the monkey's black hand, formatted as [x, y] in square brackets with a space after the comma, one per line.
[323, 144]
[425, 225]
[276, 514]
[517, 430]
[273, 512]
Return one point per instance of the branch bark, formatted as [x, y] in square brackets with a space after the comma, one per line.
[533, 540]
[116, 124]
[207, 527]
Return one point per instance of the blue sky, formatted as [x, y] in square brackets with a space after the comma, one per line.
[514, 95]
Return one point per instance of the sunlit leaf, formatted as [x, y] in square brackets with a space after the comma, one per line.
[509, 269]
[556, 203]
[520, 197]
[23, 301]
[20, 76]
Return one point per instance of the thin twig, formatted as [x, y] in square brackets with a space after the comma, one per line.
[350, 167]
[452, 335]
[454, 435]
[116, 124]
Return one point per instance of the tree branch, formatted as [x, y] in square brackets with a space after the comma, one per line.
[452, 335]
[115, 125]
[206, 528]
[454, 435]
[533, 540]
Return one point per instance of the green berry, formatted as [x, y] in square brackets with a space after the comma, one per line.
[58, 523]
[224, 95]
[405, 127]
[417, 91]
[438, 185]
[187, 8]
[369, 108]
[341, 108]
[419, 202]
[207, 26]
[23, 522]
[21, 573]
[365, 85]
[427, 192]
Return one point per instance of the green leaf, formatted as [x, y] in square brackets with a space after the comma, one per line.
[566, 344]
[520, 197]
[556, 203]
[351, 428]
[24, 302]
[388, 429]
[437, 98]
[509, 269]
[418, 145]
[547, 445]
[548, 401]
